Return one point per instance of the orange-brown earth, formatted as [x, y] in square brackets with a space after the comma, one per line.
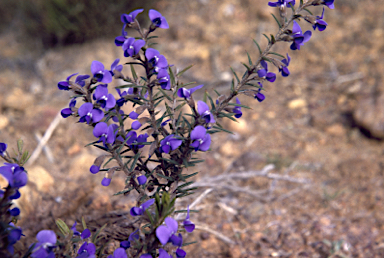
[324, 123]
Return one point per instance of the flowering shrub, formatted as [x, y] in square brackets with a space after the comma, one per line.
[174, 136]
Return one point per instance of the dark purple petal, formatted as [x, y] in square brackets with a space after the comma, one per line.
[180, 253]
[142, 180]
[14, 212]
[125, 244]
[158, 19]
[120, 253]
[164, 254]
[260, 97]
[135, 211]
[106, 181]
[85, 234]
[136, 125]
[177, 240]
[119, 41]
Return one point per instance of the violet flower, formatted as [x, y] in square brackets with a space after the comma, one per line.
[87, 250]
[188, 225]
[119, 40]
[164, 254]
[258, 95]
[13, 234]
[170, 143]
[202, 140]
[298, 37]
[132, 47]
[106, 100]
[130, 18]
[99, 73]
[155, 59]
[237, 109]
[115, 66]
[65, 85]
[282, 2]
[284, 69]
[187, 93]
[136, 125]
[157, 19]
[164, 79]
[45, 245]
[14, 174]
[203, 110]
[263, 73]
[320, 23]
[118, 253]
[89, 114]
[66, 112]
[74, 230]
[105, 133]
[328, 3]
[168, 232]
[3, 148]
[142, 180]
[136, 211]
[180, 253]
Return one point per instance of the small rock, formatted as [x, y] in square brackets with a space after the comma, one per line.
[3, 122]
[41, 178]
[29, 200]
[336, 129]
[297, 103]
[369, 114]
[18, 100]
[80, 166]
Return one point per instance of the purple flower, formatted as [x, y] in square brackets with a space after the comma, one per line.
[3, 148]
[180, 253]
[146, 256]
[66, 112]
[188, 225]
[155, 59]
[165, 233]
[101, 74]
[170, 143]
[136, 125]
[73, 228]
[14, 212]
[87, 250]
[164, 254]
[118, 253]
[106, 100]
[298, 37]
[164, 79]
[281, 2]
[320, 23]
[115, 66]
[136, 211]
[14, 174]
[187, 93]
[119, 40]
[65, 85]
[132, 47]
[14, 234]
[106, 134]
[142, 138]
[204, 112]
[328, 3]
[130, 18]
[45, 245]
[142, 180]
[237, 109]
[284, 69]
[89, 114]
[263, 73]
[258, 95]
[202, 140]
[157, 19]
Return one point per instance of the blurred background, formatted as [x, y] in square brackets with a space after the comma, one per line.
[321, 128]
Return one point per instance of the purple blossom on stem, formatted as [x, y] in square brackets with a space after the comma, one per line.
[170, 143]
[157, 19]
[14, 174]
[3, 148]
[13, 234]
[66, 112]
[202, 140]
[74, 230]
[87, 250]
[188, 225]
[119, 40]
[168, 232]
[99, 73]
[105, 133]
[106, 100]
[187, 93]
[130, 18]
[45, 245]
[118, 253]
[320, 23]
[65, 85]
[164, 254]
[89, 114]
[284, 69]
[258, 95]
[115, 66]
[237, 109]
[328, 3]
[132, 47]
[136, 211]
[263, 73]
[156, 60]
[164, 79]
[142, 180]
[136, 125]
[203, 110]
[298, 37]
[180, 253]
[282, 2]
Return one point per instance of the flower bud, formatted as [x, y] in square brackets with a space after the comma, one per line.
[220, 99]
[310, 18]
[283, 10]
[139, 110]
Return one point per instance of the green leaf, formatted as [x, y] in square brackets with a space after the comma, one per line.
[172, 76]
[185, 177]
[278, 23]
[246, 66]
[237, 78]
[20, 145]
[218, 94]
[222, 129]
[308, 11]
[258, 46]
[269, 41]
[233, 85]
[152, 37]
[249, 59]
[165, 177]
[273, 39]
[83, 222]
[184, 70]
[293, 9]
[238, 105]
[124, 191]
[134, 75]
[267, 59]
[95, 236]
[64, 229]
[165, 94]
[229, 115]
[276, 54]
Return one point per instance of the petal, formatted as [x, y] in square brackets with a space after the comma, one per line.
[107, 77]
[120, 253]
[138, 45]
[85, 234]
[307, 36]
[163, 234]
[196, 88]
[96, 67]
[153, 14]
[296, 28]
[136, 125]
[142, 180]
[172, 224]
[97, 115]
[85, 109]
[106, 181]
[135, 211]
[198, 132]
[148, 203]
[206, 143]
[100, 128]
[202, 107]
[175, 143]
[46, 236]
[111, 101]
[94, 169]
[151, 53]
